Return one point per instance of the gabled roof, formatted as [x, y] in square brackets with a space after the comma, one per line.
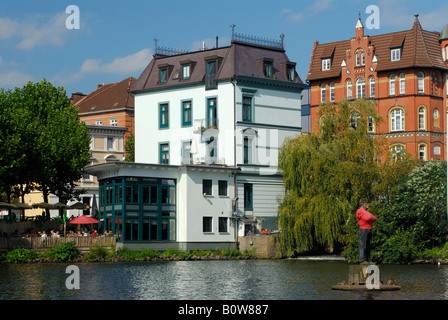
[108, 97]
[420, 48]
[238, 59]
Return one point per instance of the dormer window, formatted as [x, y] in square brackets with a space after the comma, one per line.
[395, 54]
[267, 68]
[290, 73]
[326, 64]
[185, 72]
[163, 75]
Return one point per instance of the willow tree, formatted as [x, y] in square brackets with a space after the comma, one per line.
[325, 175]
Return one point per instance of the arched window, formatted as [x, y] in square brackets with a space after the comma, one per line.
[363, 59]
[421, 118]
[392, 85]
[420, 82]
[332, 91]
[349, 89]
[402, 83]
[323, 92]
[397, 120]
[397, 151]
[372, 87]
[360, 88]
[422, 152]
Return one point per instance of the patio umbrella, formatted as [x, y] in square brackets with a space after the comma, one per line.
[83, 220]
[79, 206]
[43, 205]
[22, 206]
[60, 205]
[5, 205]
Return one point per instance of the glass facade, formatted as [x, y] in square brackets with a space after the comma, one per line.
[138, 209]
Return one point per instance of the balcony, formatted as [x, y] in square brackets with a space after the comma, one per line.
[207, 126]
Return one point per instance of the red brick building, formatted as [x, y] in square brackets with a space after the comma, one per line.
[404, 72]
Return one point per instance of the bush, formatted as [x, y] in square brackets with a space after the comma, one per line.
[21, 255]
[64, 252]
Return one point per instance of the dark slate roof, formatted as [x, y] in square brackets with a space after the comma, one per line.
[420, 48]
[238, 59]
[108, 97]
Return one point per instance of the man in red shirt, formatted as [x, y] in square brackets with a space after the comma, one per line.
[365, 221]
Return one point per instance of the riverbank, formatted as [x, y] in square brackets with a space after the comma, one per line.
[67, 252]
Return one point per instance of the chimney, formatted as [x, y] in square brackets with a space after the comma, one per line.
[76, 97]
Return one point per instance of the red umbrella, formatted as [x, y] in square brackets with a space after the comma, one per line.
[83, 220]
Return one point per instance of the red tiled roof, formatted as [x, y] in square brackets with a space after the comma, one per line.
[110, 96]
[420, 48]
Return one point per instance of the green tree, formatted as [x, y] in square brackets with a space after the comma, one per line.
[47, 144]
[326, 174]
[130, 148]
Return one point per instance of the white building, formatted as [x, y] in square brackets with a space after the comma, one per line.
[210, 121]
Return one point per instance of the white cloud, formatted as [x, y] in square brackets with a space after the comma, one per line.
[127, 65]
[318, 6]
[36, 30]
[12, 79]
[122, 65]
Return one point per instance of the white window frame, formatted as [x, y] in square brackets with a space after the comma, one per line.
[360, 88]
[392, 85]
[113, 122]
[332, 91]
[422, 152]
[372, 87]
[395, 54]
[397, 120]
[326, 64]
[349, 89]
[420, 82]
[421, 118]
[323, 92]
[402, 83]
[436, 150]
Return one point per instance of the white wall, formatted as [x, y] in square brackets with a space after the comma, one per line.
[148, 136]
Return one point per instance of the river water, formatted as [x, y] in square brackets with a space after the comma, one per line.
[214, 280]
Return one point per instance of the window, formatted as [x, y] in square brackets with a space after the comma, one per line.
[358, 59]
[332, 91]
[222, 187]
[349, 89]
[323, 92]
[326, 64]
[398, 151]
[395, 54]
[371, 125]
[187, 157]
[372, 87]
[211, 74]
[247, 108]
[207, 224]
[163, 75]
[435, 115]
[248, 196]
[222, 224]
[421, 118]
[207, 187]
[186, 72]
[422, 152]
[99, 122]
[363, 59]
[420, 82]
[212, 113]
[113, 122]
[110, 143]
[247, 150]
[164, 153]
[354, 119]
[392, 85]
[360, 88]
[290, 73]
[436, 150]
[164, 115]
[446, 84]
[402, 83]
[267, 69]
[397, 120]
[186, 114]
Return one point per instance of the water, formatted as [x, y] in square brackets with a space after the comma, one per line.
[214, 280]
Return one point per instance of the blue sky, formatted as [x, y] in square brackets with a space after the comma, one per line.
[116, 38]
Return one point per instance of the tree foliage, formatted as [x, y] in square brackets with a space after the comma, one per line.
[43, 144]
[327, 172]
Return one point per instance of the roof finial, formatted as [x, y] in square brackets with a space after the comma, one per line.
[359, 22]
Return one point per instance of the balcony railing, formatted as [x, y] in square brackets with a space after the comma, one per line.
[203, 125]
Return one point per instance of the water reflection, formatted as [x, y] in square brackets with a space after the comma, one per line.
[215, 280]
